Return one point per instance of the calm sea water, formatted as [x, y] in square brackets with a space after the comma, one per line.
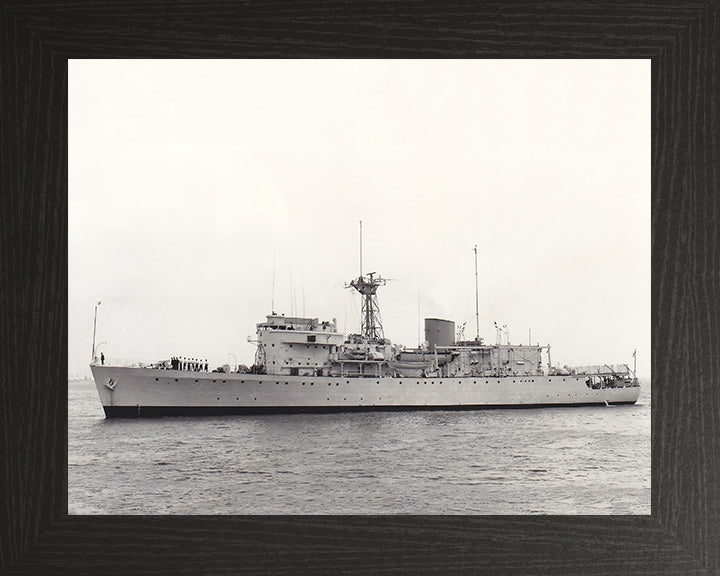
[591, 460]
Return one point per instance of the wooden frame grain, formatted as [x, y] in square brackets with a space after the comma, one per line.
[682, 536]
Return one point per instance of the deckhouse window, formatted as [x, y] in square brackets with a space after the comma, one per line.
[311, 338]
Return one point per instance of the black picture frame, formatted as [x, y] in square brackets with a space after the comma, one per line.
[681, 536]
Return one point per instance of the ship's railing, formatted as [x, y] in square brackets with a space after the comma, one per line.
[198, 366]
[134, 363]
[600, 369]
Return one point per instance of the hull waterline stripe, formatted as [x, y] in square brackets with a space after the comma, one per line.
[157, 411]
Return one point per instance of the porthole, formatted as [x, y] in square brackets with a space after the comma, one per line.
[224, 382]
[329, 383]
[242, 381]
[236, 398]
[196, 380]
[157, 380]
[175, 379]
[303, 383]
[311, 384]
[218, 398]
[337, 384]
[214, 380]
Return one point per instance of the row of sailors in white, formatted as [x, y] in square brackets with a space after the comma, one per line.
[189, 364]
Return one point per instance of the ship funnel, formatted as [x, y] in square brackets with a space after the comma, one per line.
[439, 332]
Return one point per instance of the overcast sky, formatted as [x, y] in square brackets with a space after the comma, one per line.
[190, 181]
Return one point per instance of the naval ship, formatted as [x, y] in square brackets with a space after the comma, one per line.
[306, 365]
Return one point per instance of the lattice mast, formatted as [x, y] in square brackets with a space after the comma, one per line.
[371, 325]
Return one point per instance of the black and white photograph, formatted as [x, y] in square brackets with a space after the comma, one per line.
[359, 287]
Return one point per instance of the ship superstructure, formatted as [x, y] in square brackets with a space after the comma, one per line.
[289, 346]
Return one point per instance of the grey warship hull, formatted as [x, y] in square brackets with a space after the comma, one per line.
[127, 392]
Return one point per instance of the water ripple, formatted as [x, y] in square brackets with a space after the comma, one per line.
[546, 461]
